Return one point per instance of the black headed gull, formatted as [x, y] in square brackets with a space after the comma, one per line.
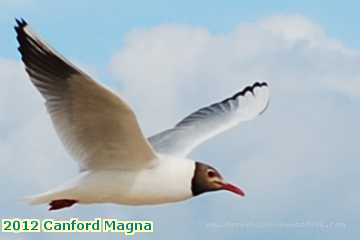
[99, 130]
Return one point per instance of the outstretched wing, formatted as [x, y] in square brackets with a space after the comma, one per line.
[97, 127]
[212, 120]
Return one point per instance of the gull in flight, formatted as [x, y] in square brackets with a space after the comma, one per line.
[100, 131]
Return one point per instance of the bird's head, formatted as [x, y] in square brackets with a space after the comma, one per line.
[207, 179]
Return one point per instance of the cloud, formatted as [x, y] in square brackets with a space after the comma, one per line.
[169, 71]
[298, 161]
[27, 142]
[170, 65]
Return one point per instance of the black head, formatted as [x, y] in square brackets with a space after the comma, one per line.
[207, 179]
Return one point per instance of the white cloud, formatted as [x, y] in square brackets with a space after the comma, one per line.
[170, 70]
[28, 143]
[28, 146]
[170, 65]
[301, 153]
[294, 28]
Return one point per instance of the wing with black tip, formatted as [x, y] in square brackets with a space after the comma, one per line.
[97, 127]
[210, 121]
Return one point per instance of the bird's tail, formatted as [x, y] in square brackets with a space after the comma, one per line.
[43, 198]
[62, 192]
[55, 199]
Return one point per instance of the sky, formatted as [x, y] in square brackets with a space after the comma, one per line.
[298, 162]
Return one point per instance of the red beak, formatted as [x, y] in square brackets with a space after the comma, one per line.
[232, 188]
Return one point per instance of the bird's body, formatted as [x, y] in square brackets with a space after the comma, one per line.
[130, 187]
[118, 164]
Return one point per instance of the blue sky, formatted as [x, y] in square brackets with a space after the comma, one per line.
[115, 19]
[298, 162]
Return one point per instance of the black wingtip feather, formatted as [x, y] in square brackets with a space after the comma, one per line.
[248, 89]
[37, 57]
[17, 21]
[21, 24]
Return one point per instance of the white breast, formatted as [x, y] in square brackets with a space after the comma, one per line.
[169, 181]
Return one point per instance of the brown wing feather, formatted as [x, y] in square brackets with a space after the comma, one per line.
[97, 127]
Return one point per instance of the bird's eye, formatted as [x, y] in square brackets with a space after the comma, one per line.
[211, 174]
